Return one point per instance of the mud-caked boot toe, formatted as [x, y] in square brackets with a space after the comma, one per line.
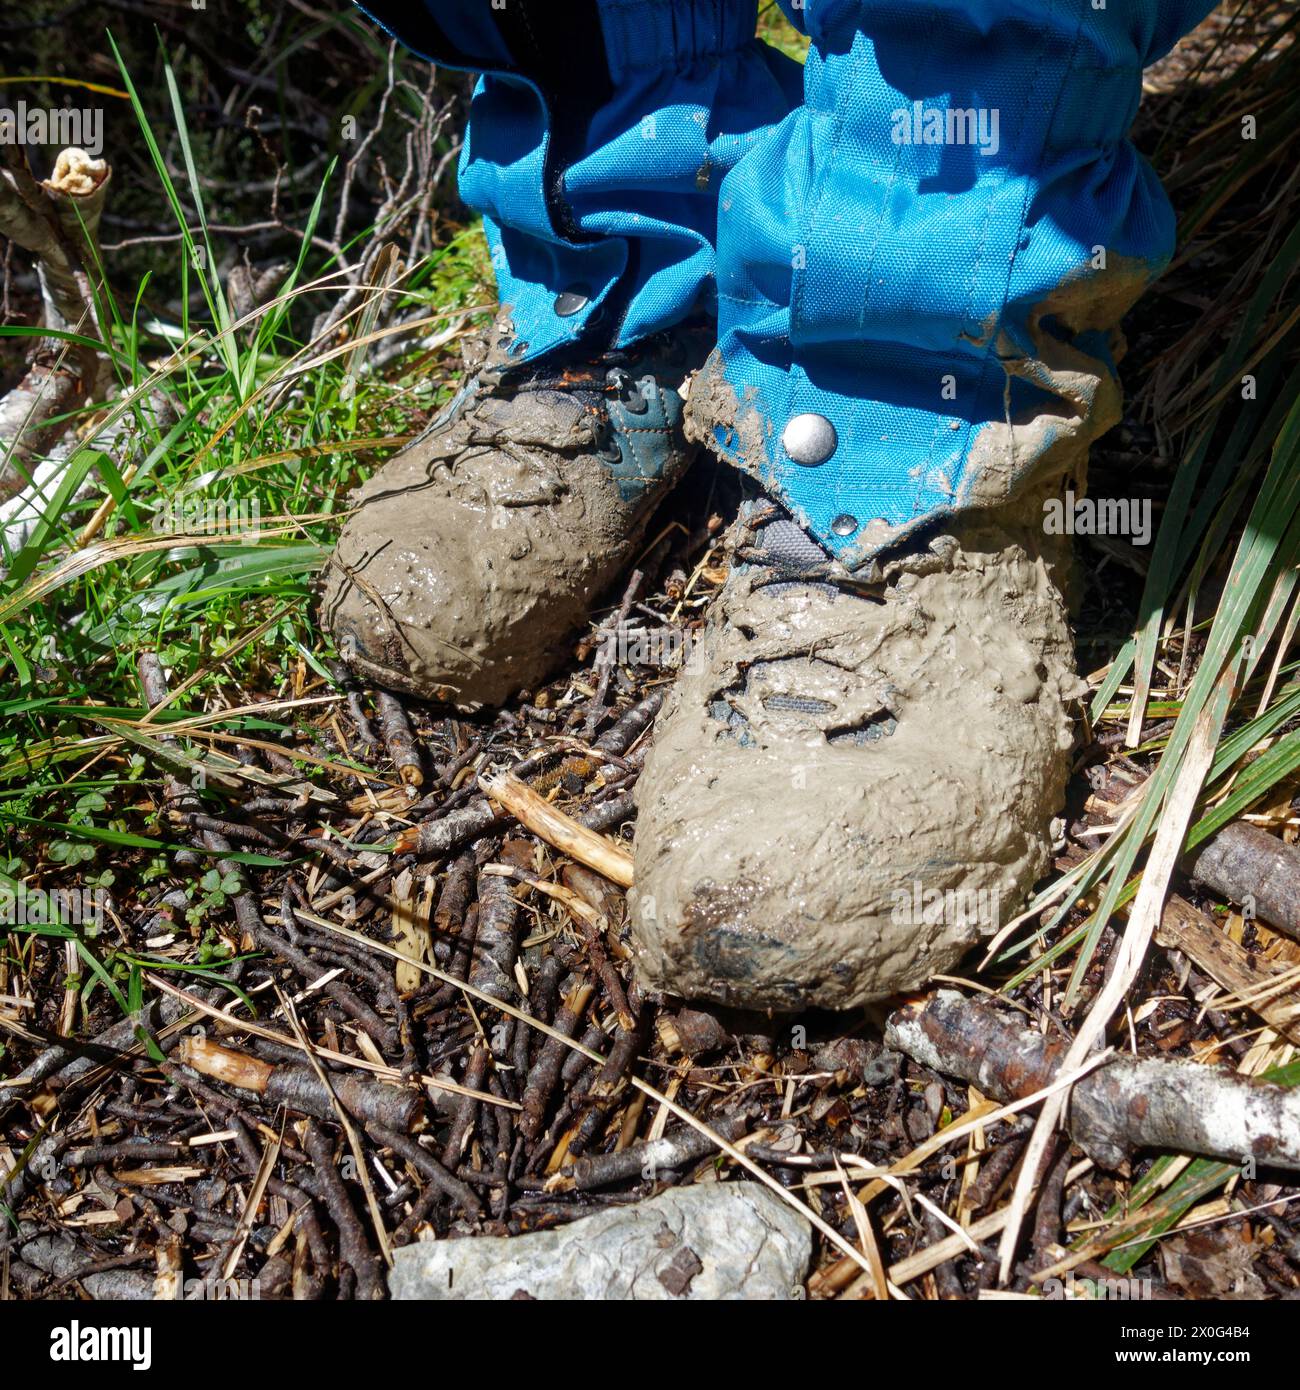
[852, 781]
[473, 555]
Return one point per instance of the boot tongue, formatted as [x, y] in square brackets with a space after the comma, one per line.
[787, 546]
[797, 690]
[780, 550]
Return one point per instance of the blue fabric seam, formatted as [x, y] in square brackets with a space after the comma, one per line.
[894, 174]
[989, 355]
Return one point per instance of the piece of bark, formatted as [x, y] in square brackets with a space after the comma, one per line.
[607, 814]
[1244, 974]
[432, 838]
[1120, 1107]
[497, 943]
[299, 1088]
[629, 726]
[1250, 867]
[691, 1031]
[453, 903]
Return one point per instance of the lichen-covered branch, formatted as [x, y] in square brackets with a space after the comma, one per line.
[1122, 1106]
[1249, 866]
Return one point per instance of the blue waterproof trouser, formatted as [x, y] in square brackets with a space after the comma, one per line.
[918, 246]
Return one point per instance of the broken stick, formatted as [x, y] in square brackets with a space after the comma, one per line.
[644, 1160]
[299, 1088]
[1270, 988]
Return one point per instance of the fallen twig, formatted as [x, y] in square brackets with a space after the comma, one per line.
[546, 1070]
[445, 1182]
[1268, 987]
[354, 1249]
[674, 1150]
[399, 738]
[437, 837]
[497, 943]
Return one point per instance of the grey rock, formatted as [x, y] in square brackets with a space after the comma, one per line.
[732, 1240]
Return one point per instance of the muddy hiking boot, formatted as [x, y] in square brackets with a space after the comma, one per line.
[853, 778]
[476, 552]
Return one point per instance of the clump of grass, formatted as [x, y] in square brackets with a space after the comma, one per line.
[1219, 610]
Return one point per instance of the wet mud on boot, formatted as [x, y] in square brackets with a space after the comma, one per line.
[476, 552]
[854, 778]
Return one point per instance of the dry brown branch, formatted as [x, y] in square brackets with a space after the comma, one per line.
[399, 738]
[684, 1145]
[298, 1088]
